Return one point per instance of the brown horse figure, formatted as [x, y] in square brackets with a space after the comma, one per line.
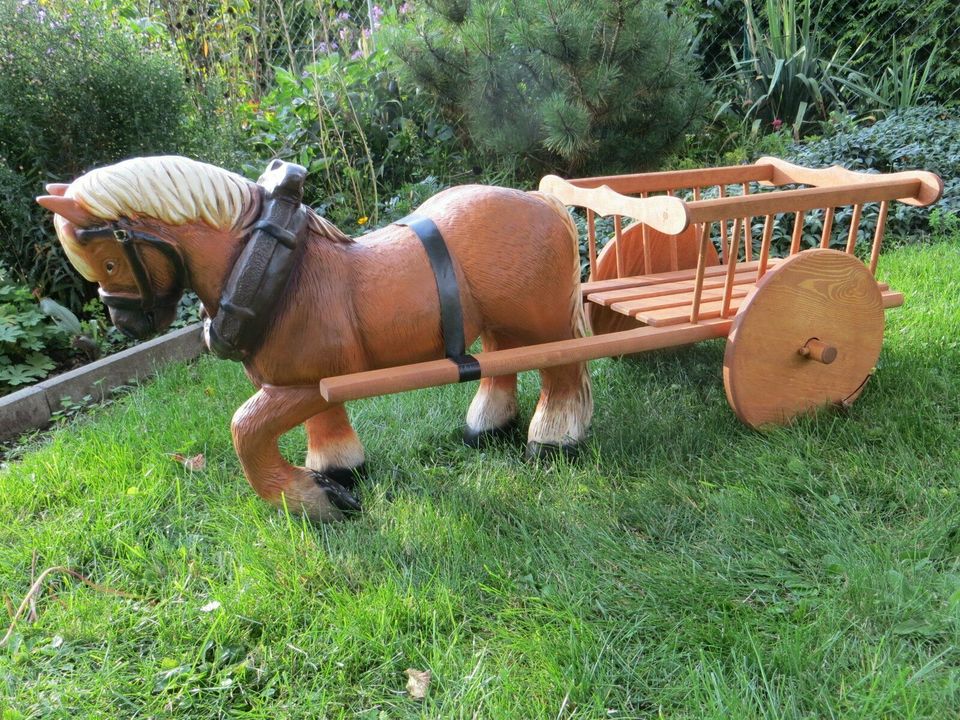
[350, 304]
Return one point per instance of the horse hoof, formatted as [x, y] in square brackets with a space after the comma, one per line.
[479, 439]
[338, 496]
[537, 451]
[347, 477]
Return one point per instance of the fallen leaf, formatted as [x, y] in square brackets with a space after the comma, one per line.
[211, 606]
[418, 683]
[197, 463]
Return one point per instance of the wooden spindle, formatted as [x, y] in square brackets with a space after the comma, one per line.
[674, 253]
[592, 242]
[696, 193]
[747, 231]
[827, 228]
[723, 229]
[618, 236]
[731, 267]
[854, 229]
[878, 236]
[765, 246]
[647, 260]
[797, 233]
[701, 267]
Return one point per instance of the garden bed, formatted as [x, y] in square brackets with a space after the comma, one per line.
[33, 407]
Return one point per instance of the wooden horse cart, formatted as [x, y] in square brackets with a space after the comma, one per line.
[803, 331]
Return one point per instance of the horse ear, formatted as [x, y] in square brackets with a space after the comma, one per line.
[56, 188]
[67, 208]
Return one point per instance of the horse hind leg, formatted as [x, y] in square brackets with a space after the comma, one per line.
[333, 447]
[493, 411]
[563, 412]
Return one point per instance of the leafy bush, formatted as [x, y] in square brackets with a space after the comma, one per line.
[920, 138]
[569, 87]
[75, 92]
[788, 73]
[360, 133]
[28, 339]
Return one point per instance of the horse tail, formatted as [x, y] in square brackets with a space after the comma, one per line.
[577, 322]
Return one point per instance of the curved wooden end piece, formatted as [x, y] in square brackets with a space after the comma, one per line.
[930, 187]
[669, 215]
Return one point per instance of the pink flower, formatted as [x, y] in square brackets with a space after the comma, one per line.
[777, 124]
[405, 8]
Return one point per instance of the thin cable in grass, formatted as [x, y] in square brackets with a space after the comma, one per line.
[28, 600]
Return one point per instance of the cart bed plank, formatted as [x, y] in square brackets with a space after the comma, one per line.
[610, 297]
[665, 317]
[635, 281]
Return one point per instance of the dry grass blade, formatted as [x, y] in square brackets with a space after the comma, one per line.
[30, 597]
[418, 683]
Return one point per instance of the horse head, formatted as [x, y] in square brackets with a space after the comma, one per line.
[137, 227]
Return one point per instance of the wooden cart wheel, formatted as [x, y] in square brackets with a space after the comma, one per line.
[809, 335]
[604, 320]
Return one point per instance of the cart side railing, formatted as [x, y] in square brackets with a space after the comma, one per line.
[827, 189]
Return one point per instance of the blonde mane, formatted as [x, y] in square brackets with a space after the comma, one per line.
[175, 190]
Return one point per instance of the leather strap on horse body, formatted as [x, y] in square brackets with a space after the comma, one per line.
[451, 312]
[259, 276]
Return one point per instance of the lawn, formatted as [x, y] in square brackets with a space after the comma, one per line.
[685, 566]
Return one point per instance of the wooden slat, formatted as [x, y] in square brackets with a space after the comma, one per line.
[508, 362]
[854, 228]
[731, 268]
[747, 231]
[675, 179]
[592, 240]
[708, 310]
[804, 199]
[827, 227]
[683, 299]
[878, 237]
[765, 261]
[618, 248]
[642, 280]
[797, 233]
[609, 297]
[705, 230]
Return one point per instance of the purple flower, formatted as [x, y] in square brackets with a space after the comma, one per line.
[377, 12]
[343, 17]
[405, 8]
[357, 54]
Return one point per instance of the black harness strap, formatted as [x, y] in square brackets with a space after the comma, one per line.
[451, 313]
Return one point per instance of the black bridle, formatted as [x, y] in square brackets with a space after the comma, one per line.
[130, 241]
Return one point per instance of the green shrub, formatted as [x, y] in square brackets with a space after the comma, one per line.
[920, 138]
[568, 87]
[29, 340]
[76, 92]
[360, 133]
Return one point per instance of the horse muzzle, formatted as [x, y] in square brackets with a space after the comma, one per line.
[130, 317]
[140, 325]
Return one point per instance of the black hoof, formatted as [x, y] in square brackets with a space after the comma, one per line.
[341, 498]
[479, 439]
[551, 451]
[347, 477]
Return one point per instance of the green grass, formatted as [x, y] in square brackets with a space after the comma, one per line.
[684, 567]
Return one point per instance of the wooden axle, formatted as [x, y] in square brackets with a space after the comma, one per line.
[816, 349]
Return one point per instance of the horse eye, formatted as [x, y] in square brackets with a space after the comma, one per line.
[110, 265]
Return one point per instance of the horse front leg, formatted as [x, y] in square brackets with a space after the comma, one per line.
[258, 425]
[333, 447]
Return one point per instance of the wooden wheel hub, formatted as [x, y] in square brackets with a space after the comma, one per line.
[808, 336]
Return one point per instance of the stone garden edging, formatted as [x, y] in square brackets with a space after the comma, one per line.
[34, 406]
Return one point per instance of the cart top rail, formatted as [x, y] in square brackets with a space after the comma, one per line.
[828, 187]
